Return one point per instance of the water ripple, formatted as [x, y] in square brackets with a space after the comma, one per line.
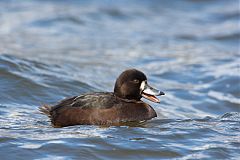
[57, 49]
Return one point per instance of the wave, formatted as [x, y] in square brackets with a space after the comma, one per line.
[29, 82]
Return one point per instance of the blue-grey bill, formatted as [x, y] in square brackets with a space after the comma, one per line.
[150, 93]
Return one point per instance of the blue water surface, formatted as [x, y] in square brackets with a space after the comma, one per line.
[189, 49]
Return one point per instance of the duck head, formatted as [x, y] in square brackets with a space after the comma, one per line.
[132, 84]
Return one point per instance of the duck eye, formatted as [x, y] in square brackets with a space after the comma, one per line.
[136, 81]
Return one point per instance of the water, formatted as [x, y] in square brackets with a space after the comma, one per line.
[189, 49]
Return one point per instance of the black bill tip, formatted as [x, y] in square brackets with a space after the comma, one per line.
[161, 93]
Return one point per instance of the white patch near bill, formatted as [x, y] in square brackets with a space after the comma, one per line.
[142, 86]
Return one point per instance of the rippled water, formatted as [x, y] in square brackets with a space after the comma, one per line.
[50, 50]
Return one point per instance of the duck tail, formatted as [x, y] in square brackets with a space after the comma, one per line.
[45, 109]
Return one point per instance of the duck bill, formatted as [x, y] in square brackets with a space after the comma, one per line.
[150, 93]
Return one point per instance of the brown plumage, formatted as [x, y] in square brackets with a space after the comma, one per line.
[105, 108]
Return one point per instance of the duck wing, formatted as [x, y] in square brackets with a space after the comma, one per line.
[101, 100]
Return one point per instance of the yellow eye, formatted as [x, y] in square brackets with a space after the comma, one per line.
[136, 81]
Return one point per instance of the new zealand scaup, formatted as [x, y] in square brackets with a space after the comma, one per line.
[107, 108]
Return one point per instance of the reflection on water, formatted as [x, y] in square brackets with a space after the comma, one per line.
[55, 49]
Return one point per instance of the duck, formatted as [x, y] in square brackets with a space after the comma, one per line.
[122, 105]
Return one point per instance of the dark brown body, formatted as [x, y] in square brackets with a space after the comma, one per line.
[105, 108]
[98, 108]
